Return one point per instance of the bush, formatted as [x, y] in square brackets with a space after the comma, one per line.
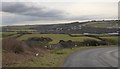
[13, 45]
[42, 39]
[38, 41]
[78, 43]
[66, 44]
[16, 52]
[90, 42]
[61, 41]
[23, 32]
[111, 41]
[102, 43]
[18, 49]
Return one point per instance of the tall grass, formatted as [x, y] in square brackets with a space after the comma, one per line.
[15, 51]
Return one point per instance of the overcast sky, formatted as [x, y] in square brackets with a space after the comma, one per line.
[56, 11]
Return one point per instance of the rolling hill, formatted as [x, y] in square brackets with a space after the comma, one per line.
[94, 27]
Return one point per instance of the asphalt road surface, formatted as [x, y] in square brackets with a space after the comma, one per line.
[98, 57]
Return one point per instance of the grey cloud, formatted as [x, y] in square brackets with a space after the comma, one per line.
[23, 12]
[23, 9]
[28, 12]
[10, 20]
[119, 10]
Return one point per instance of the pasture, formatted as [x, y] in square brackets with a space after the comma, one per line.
[5, 34]
[56, 37]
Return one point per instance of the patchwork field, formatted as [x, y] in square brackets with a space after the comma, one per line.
[103, 24]
[47, 57]
[56, 37]
[5, 34]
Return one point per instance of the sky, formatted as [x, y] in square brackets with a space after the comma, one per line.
[29, 12]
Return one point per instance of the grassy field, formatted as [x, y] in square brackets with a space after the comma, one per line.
[103, 24]
[54, 58]
[98, 35]
[5, 34]
[114, 38]
[56, 37]
[20, 28]
[106, 36]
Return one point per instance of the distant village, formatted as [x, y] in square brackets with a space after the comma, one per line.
[69, 28]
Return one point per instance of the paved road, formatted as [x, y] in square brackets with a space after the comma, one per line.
[99, 57]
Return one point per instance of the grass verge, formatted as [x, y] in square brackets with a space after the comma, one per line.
[53, 58]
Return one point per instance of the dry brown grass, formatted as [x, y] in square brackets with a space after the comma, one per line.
[15, 52]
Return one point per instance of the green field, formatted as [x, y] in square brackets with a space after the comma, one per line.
[98, 35]
[115, 38]
[56, 57]
[5, 34]
[111, 37]
[26, 27]
[56, 37]
[106, 36]
[103, 24]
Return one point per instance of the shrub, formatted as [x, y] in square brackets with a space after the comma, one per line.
[16, 52]
[61, 41]
[18, 49]
[90, 42]
[78, 43]
[42, 39]
[23, 32]
[111, 41]
[38, 41]
[13, 45]
[102, 43]
[66, 44]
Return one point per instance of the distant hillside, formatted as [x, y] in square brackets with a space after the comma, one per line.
[104, 24]
[110, 26]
